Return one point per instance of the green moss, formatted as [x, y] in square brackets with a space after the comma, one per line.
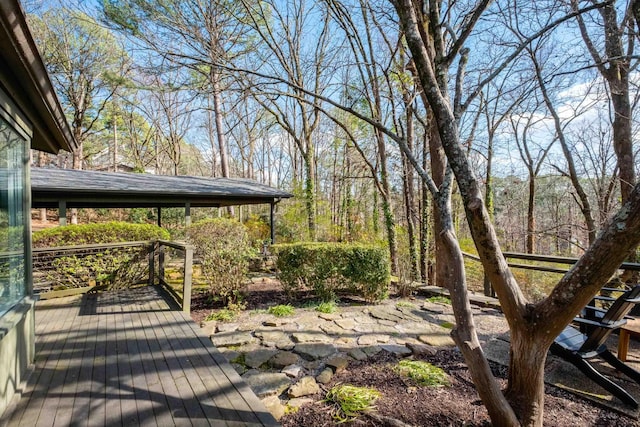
[439, 299]
[405, 304]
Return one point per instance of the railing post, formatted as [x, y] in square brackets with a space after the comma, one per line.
[152, 262]
[160, 262]
[272, 220]
[188, 273]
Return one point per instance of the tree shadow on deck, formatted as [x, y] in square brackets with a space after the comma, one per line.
[126, 358]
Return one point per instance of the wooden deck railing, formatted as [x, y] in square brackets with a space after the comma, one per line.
[161, 248]
[67, 270]
[488, 290]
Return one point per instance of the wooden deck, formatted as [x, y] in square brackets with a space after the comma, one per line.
[125, 358]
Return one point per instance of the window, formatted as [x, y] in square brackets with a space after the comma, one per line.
[13, 286]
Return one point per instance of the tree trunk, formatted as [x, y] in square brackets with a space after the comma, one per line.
[310, 190]
[408, 186]
[424, 222]
[77, 164]
[622, 138]
[387, 210]
[222, 141]
[525, 390]
[531, 219]
[488, 186]
[438, 170]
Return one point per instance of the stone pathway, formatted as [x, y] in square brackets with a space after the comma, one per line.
[285, 359]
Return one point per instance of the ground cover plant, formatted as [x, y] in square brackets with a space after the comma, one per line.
[351, 401]
[281, 310]
[422, 373]
[327, 307]
[222, 315]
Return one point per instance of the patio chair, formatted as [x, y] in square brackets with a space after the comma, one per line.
[578, 347]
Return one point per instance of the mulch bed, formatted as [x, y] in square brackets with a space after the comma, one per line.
[403, 402]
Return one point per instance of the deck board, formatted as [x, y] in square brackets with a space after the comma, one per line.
[126, 358]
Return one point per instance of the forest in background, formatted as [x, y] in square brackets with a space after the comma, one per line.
[420, 124]
[275, 92]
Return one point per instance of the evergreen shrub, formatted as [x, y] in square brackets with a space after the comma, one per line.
[87, 234]
[223, 250]
[331, 268]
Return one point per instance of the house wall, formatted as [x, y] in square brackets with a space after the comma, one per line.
[17, 349]
[17, 333]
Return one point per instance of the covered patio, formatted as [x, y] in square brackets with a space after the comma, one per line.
[64, 189]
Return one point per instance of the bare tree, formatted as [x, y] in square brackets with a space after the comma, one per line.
[612, 53]
[533, 327]
[286, 31]
[533, 156]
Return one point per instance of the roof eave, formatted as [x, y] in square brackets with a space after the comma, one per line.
[25, 78]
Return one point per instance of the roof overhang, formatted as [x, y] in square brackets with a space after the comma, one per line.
[24, 78]
[91, 189]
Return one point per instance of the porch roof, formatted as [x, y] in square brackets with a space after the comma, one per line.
[91, 189]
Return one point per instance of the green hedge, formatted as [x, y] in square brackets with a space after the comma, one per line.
[113, 267]
[331, 268]
[86, 234]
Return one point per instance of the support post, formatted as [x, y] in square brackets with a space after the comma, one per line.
[159, 216]
[160, 263]
[152, 262]
[188, 273]
[273, 224]
[62, 212]
[187, 214]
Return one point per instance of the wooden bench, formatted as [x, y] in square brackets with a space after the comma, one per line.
[631, 328]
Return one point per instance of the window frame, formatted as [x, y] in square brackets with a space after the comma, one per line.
[18, 122]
